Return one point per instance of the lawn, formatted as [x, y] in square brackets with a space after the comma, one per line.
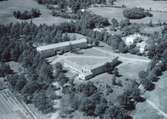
[154, 5]
[108, 12]
[117, 13]
[145, 111]
[158, 97]
[151, 30]
[7, 8]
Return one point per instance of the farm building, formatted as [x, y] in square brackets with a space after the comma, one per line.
[53, 49]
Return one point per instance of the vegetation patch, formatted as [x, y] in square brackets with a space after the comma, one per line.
[136, 13]
[27, 14]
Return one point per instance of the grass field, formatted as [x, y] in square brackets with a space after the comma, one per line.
[117, 13]
[108, 12]
[151, 30]
[154, 5]
[158, 97]
[7, 8]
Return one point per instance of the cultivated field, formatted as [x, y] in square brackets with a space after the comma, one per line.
[11, 108]
[7, 8]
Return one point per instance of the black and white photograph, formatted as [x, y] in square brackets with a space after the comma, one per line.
[83, 59]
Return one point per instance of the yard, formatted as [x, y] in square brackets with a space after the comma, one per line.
[7, 8]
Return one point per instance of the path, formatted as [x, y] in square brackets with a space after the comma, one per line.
[160, 112]
[120, 56]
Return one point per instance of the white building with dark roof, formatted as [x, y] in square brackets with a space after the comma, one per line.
[53, 49]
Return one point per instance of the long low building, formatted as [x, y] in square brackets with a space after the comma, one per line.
[86, 67]
[53, 49]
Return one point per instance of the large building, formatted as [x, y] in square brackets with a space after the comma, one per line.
[86, 70]
[53, 49]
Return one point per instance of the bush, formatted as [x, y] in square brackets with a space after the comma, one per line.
[65, 15]
[47, 1]
[136, 13]
[93, 21]
[27, 14]
[4, 69]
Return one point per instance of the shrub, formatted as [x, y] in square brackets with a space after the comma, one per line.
[4, 69]
[136, 13]
[27, 14]
[65, 15]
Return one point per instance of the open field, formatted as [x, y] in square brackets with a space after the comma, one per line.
[7, 8]
[11, 108]
[110, 13]
[151, 30]
[154, 5]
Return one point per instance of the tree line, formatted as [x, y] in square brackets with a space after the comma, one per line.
[24, 15]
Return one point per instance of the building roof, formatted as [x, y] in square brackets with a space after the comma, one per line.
[61, 44]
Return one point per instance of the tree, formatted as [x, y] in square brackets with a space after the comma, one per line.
[115, 112]
[124, 23]
[21, 82]
[136, 13]
[126, 102]
[4, 69]
[58, 69]
[30, 88]
[114, 23]
[114, 41]
[143, 74]
[45, 72]
[114, 78]
[87, 106]
[150, 23]
[42, 102]
[147, 84]
[112, 2]
[101, 107]
[87, 89]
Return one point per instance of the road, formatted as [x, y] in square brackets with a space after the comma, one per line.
[120, 55]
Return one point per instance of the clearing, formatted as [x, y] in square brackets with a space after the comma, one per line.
[111, 12]
[147, 4]
[7, 8]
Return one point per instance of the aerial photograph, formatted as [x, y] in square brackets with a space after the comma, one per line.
[83, 59]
